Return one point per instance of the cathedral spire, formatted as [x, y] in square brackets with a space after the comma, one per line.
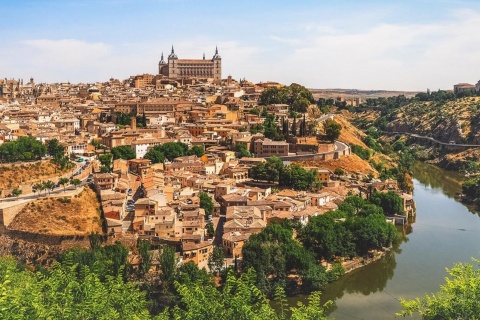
[172, 55]
[204, 56]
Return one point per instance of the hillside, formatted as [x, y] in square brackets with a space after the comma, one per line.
[79, 215]
[350, 164]
[446, 121]
[11, 175]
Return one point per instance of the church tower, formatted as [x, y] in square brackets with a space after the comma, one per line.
[172, 67]
[217, 67]
[162, 67]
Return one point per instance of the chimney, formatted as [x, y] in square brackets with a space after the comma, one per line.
[133, 123]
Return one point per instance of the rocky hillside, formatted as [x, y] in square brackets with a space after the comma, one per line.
[445, 121]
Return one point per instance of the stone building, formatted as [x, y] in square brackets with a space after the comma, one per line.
[188, 68]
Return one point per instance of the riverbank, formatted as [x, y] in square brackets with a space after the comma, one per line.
[444, 232]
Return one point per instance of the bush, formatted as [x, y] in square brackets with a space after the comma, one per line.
[363, 153]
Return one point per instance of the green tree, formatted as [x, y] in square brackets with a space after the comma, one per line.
[22, 149]
[241, 150]
[168, 265]
[106, 161]
[146, 261]
[196, 150]
[63, 181]
[49, 185]
[216, 260]
[123, 152]
[16, 192]
[301, 105]
[332, 129]
[390, 202]
[75, 182]
[64, 293]
[155, 156]
[206, 202]
[457, 298]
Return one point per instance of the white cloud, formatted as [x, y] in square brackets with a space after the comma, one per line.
[68, 58]
[390, 56]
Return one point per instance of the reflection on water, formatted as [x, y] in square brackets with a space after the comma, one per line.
[448, 182]
[443, 233]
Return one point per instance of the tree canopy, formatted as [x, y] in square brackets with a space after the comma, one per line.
[206, 202]
[171, 150]
[332, 129]
[22, 149]
[123, 152]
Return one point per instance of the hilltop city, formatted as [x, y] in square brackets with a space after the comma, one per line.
[184, 157]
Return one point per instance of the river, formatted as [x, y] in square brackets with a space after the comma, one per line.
[444, 232]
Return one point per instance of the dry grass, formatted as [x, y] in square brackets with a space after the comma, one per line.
[350, 134]
[12, 175]
[79, 215]
[351, 164]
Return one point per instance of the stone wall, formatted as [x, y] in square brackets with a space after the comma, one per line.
[9, 210]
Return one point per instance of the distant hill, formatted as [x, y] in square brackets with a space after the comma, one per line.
[363, 94]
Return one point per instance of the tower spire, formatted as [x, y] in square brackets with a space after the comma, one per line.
[173, 51]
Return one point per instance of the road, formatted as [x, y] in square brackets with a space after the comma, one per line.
[36, 195]
[434, 140]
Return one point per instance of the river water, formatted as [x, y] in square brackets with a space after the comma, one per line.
[444, 232]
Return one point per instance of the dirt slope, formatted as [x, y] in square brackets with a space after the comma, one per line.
[11, 175]
[57, 216]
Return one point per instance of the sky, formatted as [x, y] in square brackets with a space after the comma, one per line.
[374, 44]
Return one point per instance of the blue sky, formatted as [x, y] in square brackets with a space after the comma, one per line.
[397, 45]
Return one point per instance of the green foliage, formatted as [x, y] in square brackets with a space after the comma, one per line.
[296, 177]
[363, 227]
[270, 130]
[206, 202]
[332, 129]
[123, 152]
[339, 172]
[363, 153]
[216, 260]
[390, 202]
[124, 119]
[16, 192]
[273, 253]
[241, 150]
[75, 182]
[471, 190]
[196, 150]
[293, 176]
[22, 149]
[67, 291]
[168, 265]
[457, 299]
[106, 161]
[210, 229]
[146, 261]
[169, 151]
[155, 156]
[63, 182]
[57, 152]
